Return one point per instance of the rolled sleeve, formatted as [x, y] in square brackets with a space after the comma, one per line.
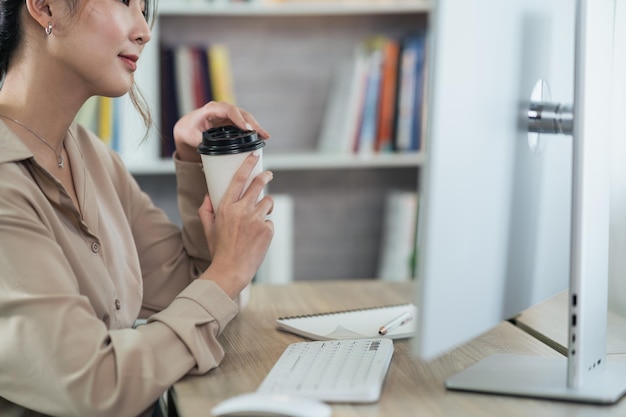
[191, 189]
[197, 316]
[190, 171]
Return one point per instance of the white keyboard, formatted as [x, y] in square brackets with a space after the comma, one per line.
[351, 371]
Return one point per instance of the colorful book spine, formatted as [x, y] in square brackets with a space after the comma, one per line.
[105, 119]
[388, 93]
[221, 74]
[371, 99]
[375, 104]
[410, 93]
[183, 62]
[169, 102]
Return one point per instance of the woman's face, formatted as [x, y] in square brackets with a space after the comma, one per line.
[99, 45]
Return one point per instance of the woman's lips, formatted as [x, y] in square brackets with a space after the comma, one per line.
[130, 61]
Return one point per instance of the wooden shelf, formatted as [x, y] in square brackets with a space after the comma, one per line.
[302, 162]
[317, 161]
[304, 8]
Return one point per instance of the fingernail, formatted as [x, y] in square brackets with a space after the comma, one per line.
[257, 152]
[249, 126]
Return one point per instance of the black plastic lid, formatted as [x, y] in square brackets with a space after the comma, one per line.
[226, 140]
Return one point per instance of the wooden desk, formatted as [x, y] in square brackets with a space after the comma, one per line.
[548, 322]
[413, 388]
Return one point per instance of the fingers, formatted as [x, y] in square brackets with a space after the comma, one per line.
[252, 124]
[256, 187]
[270, 225]
[238, 183]
[265, 206]
[219, 113]
[188, 129]
[250, 196]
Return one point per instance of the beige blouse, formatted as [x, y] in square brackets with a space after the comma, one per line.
[72, 282]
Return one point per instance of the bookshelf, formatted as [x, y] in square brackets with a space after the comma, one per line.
[299, 161]
[291, 8]
[282, 56]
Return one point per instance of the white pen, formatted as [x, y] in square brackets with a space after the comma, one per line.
[398, 321]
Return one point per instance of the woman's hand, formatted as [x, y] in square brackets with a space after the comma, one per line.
[188, 130]
[239, 234]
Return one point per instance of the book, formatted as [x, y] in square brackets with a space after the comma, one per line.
[358, 95]
[351, 324]
[418, 97]
[221, 74]
[342, 115]
[183, 70]
[397, 251]
[105, 119]
[200, 76]
[335, 124]
[169, 101]
[410, 93]
[388, 92]
[116, 122]
[368, 131]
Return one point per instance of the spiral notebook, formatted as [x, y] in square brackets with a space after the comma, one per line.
[351, 324]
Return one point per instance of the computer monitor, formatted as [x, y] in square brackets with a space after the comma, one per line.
[510, 217]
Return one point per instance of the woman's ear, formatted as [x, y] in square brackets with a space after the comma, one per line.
[41, 12]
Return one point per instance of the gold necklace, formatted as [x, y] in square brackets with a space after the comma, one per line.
[59, 155]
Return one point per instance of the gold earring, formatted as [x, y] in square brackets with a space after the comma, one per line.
[49, 29]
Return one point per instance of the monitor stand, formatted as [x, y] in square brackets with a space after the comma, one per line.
[539, 377]
[585, 375]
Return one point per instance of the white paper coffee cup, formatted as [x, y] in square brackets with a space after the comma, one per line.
[223, 149]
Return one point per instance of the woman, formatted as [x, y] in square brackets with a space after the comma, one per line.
[83, 252]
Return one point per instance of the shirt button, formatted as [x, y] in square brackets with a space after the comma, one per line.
[95, 247]
[118, 305]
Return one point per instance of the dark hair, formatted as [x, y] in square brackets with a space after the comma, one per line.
[11, 36]
[10, 31]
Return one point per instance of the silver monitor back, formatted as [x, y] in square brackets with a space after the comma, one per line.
[495, 213]
[509, 218]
